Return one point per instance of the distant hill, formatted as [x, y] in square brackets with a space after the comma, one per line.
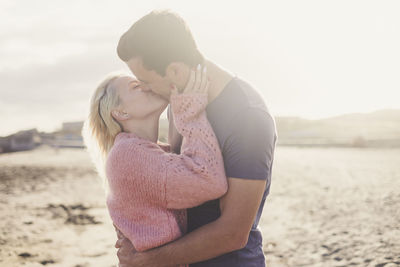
[379, 128]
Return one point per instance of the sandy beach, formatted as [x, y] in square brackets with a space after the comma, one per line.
[327, 207]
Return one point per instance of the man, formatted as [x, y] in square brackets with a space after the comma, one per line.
[160, 50]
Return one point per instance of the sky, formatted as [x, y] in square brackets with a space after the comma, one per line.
[310, 59]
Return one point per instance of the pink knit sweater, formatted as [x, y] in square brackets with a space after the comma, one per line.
[150, 188]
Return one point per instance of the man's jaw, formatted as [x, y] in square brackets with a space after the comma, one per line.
[165, 97]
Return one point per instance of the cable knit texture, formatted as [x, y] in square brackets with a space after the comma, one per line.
[150, 188]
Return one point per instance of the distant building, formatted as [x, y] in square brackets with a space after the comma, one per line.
[70, 135]
[20, 141]
[72, 127]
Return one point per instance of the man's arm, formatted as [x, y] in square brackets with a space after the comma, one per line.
[228, 233]
[249, 155]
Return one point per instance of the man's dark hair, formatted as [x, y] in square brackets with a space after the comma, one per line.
[159, 38]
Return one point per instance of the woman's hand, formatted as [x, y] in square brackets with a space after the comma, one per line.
[198, 82]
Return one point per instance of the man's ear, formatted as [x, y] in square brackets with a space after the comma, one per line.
[172, 71]
[176, 72]
[119, 115]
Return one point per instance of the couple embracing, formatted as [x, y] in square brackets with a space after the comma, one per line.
[197, 200]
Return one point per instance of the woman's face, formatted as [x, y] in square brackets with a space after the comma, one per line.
[135, 100]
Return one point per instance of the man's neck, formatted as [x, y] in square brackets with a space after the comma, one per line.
[219, 78]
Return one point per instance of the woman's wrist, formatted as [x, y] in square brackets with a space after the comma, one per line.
[190, 103]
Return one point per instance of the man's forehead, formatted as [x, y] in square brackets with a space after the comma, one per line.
[135, 64]
[142, 74]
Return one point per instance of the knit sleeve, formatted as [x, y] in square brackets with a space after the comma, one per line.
[175, 181]
[197, 174]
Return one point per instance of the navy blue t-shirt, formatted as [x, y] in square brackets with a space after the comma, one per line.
[247, 136]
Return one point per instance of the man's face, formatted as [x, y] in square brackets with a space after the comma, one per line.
[150, 79]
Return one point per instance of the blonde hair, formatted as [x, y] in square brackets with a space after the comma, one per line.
[100, 128]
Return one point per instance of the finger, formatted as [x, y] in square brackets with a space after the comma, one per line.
[118, 243]
[198, 79]
[121, 243]
[122, 254]
[126, 243]
[191, 81]
[203, 80]
[205, 91]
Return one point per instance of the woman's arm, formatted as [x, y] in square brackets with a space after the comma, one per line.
[197, 174]
[200, 155]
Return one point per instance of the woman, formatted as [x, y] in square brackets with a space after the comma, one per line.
[148, 187]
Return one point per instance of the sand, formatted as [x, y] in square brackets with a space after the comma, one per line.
[327, 207]
[53, 211]
[334, 207]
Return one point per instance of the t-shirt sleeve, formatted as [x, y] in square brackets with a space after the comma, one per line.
[248, 151]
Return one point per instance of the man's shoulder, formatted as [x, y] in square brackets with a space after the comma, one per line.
[238, 99]
[250, 95]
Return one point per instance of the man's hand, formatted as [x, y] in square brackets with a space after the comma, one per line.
[125, 253]
[129, 257]
[125, 248]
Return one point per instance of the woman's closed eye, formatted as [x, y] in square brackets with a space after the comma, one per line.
[135, 85]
